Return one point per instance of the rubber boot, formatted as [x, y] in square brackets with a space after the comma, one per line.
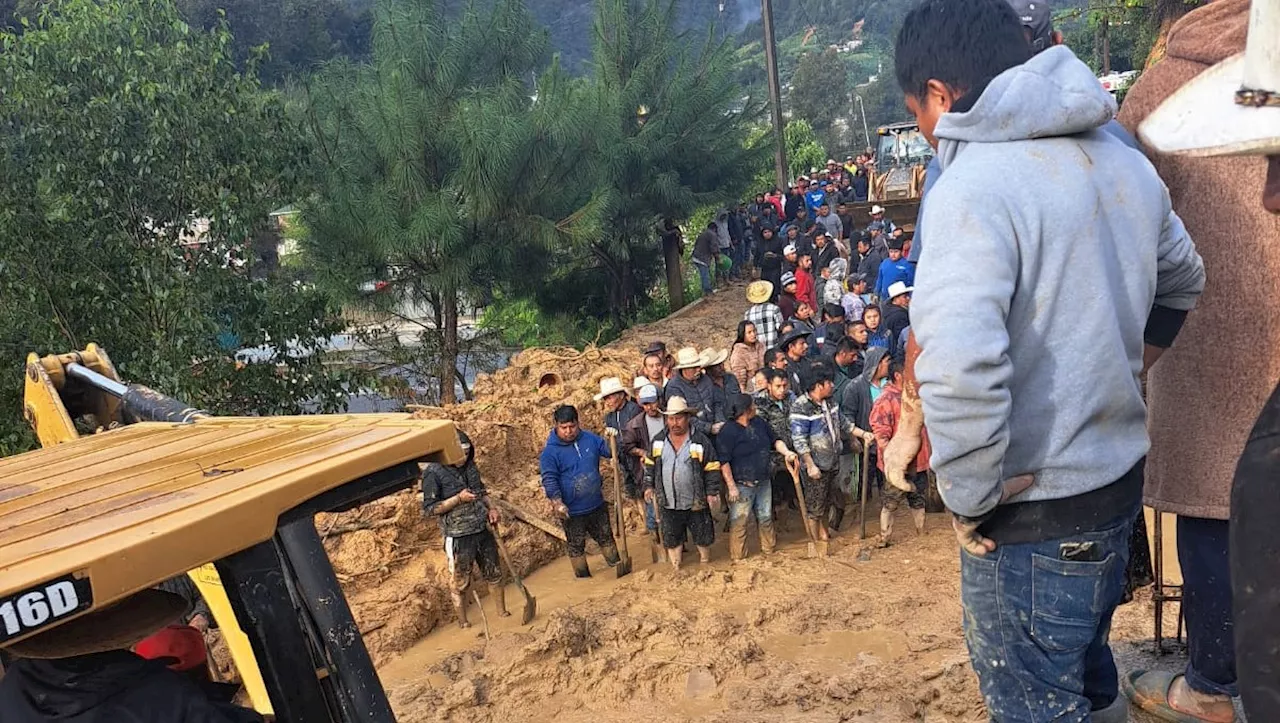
[610, 552]
[738, 538]
[917, 518]
[460, 608]
[580, 568]
[886, 527]
[499, 592]
[837, 516]
[768, 536]
[704, 554]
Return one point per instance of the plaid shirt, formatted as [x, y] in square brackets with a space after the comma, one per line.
[767, 318]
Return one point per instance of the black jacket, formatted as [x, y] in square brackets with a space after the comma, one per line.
[894, 318]
[442, 481]
[112, 687]
[707, 480]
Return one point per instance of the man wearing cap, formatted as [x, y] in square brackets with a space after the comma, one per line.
[824, 249]
[795, 199]
[570, 470]
[766, 316]
[829, 222]
[455, 495]
[806, 290]
[682, 475]
[84, 670]
[787, 301]
[795, 346]
[896, 315]
[698, 391]
[637, 439]
[894, 269]
[1041, 469]
[1190, 470]
[868, 261]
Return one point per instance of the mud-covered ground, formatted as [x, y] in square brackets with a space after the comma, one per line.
[865, 635]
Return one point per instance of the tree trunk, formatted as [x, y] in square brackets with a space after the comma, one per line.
[675, 275]
[449, 347]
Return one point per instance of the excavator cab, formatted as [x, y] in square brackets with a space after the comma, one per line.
[163, 489]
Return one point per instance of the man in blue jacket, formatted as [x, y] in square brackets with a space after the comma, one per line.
[894, 269]
[570, 467]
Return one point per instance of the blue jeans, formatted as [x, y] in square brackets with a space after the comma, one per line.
[704, 275]
[1206, 598]
[1037, 626]
[758, 499]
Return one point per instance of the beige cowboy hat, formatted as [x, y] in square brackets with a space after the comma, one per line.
[712, 356]
[759, 292]
[639, 382]
[1231, 109]
[687, 358]
[118, 627]
[610, 386]
[677, 405]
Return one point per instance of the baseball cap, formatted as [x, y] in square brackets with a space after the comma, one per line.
[788, 249]
[648, 394]
[1037, 17]
[788, 278]
[180, 647]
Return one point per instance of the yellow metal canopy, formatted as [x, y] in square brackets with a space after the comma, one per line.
[122, 511]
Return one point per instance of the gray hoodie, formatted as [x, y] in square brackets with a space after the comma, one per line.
[1048, 242]
[855, 402]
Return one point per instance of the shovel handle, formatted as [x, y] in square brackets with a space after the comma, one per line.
[793, 466]
[617, 493]
[866, 479]
[506, 558]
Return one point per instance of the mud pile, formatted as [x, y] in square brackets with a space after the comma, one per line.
[389, 558]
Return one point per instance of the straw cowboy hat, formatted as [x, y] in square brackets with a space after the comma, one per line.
[712, 356]
[759, 292]
[117, 627]
[1231, 109]
[609, 386]
[687, 358]
[676, 406]
[639, 382]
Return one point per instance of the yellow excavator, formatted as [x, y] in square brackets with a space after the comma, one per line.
[133, 488]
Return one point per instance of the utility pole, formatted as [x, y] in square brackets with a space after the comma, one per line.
[775, 92]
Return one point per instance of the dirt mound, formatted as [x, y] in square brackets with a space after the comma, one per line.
[389, 558]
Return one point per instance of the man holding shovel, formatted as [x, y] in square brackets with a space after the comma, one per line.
[682, 477]
[637, 438]
[455, 495]
[570, 467]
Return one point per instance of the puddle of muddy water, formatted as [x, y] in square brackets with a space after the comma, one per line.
[838, 645]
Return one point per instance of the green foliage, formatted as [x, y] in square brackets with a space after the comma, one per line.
[803, 149]
[820, 90]
[124, 131]
[440, 174]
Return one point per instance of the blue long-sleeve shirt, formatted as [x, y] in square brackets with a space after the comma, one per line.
[893, 271]
[571, 471]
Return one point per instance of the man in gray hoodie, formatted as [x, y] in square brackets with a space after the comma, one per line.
[1051, 255]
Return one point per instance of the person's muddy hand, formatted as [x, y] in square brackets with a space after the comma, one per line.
[494, 517]
[560, 509]
[790, 456]
[967, 528]
[610, 432]
[813, 471]
[648, 495]
[467, 495]
[733, 492]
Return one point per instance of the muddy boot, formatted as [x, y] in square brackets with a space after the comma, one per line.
[580, 568]
[460, 608]
[917, 518]
[704, 554]
[768, 536]
[610, 552]
[738, 539]
[499, 592]
[886, 527]
[837, 516]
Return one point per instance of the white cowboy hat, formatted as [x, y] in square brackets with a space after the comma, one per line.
[1231, 109]
[677, 405]
[687, 358]
[898, 288]
[759, 292]
[711, 356]
[877, 209]
[610, 386]
[639, 382]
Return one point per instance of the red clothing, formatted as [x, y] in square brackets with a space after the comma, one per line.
[805, 290]
[777, 203]
[884, 422]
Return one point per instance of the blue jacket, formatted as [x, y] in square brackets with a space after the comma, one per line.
[571, 471]
[814, 199]
[891, 271]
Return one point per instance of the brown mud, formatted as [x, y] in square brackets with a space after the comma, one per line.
[865, 635]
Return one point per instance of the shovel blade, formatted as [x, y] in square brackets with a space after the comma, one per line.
[812, 549]
[623, 567]
[530, 609]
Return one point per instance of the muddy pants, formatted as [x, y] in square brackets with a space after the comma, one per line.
[894, 497]
[754, 497]
[698, 524]
[595, 524]
[467, 550]
[817, 493]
